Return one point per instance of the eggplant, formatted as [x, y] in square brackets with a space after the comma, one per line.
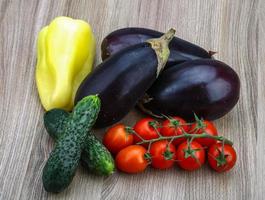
[208, 88]
[121, 80]
[180, 50]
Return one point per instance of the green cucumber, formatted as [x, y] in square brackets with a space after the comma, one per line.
[95, 156]
[55, 121]
[64, 159]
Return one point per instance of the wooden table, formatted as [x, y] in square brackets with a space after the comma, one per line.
[233, 28]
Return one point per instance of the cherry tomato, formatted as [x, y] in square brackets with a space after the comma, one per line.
[173, 127]
[190, 157]
[221, 160]
[163, 154]
[145, 129]
[131, 159]
[117, 138]
[207, 127]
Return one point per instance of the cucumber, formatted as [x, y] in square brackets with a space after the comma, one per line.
[55, 121]
[61, 166]
[95, 156]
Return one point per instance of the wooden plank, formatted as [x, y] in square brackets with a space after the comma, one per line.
[228, 27]
[260, 151]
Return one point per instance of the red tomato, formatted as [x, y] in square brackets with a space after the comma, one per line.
[145, 130]
[131, 159]
[190, 158]
[204, 127]
[117, 138]
[219, 161]
[163, 154]
[174, 127]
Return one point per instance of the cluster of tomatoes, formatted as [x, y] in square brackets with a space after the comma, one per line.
[162, 145]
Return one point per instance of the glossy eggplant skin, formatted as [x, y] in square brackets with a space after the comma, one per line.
[120, 81]
[206, 87]
[180, 50]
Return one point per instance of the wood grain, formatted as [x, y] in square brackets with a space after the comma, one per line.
[235, 29]
[260, 153]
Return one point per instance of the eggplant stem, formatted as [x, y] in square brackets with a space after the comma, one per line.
[160, 46]
[142, 108]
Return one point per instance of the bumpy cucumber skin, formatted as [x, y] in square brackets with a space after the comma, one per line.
[95, 156]
[55, 121]
[61, 165]
[64, 159]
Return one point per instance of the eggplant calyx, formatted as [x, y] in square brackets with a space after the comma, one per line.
[160, 46]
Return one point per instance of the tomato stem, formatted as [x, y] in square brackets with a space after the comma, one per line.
[154, 125]
[175, 124]
[149, 147]
[130, 130]
[187, 136]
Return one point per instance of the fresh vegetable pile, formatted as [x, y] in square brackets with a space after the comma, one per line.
[192, 80]
[174, 141]
[160, 74]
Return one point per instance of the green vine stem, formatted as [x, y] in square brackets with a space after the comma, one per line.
[191, 137]
[185, 135]
[188, 136]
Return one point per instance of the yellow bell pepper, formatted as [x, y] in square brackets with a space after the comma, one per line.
[66, 51]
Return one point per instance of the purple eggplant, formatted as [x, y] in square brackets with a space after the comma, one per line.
[180, 50]
[209, 88]
[121, 80]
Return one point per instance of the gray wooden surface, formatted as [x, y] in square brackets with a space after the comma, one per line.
[233, 28]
